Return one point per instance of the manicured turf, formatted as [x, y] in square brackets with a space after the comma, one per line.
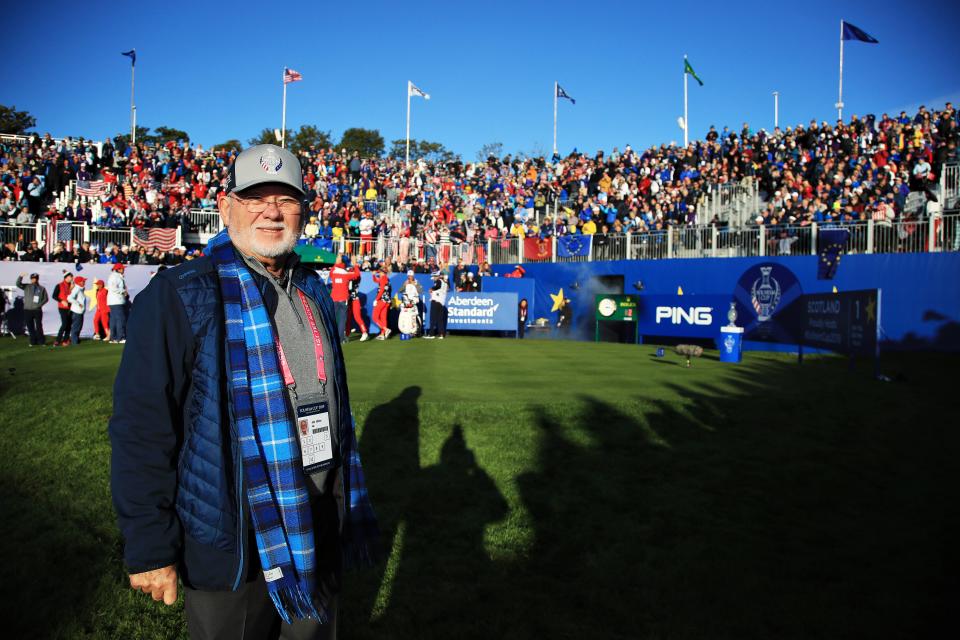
[551, 490]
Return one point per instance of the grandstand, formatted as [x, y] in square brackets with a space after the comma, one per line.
[892, 181]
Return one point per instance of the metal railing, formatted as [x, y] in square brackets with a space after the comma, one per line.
[19, 233]
[950, 186]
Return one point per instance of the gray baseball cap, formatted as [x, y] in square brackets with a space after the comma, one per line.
[263, 164]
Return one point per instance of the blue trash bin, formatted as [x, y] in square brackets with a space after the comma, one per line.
[731, 344]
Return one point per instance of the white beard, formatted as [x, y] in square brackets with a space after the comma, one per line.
[284, 245]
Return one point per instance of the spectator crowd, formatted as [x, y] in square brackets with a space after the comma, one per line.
[852, 171]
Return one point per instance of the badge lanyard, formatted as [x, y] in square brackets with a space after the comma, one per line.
[288, 378]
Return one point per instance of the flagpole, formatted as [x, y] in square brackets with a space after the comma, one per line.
[133, 106]
[555, 85]
[776, 109]
[283, 118]
[839, 104]
[407, 158]
[686, 121]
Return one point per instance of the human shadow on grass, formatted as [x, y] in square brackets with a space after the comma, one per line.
[723, 515]
[438, 573]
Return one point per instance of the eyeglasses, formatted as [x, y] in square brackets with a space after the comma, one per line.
[286, 206]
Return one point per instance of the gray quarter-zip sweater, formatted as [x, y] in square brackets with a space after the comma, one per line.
[296, 338]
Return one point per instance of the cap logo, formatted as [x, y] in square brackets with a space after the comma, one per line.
[271, 162]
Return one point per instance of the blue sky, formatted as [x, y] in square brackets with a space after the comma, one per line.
[214, 69]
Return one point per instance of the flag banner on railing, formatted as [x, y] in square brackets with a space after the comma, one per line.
[92, 188]
[537, 249]
[832, 243]
[58, 232]
[573, 245]
[156, 238]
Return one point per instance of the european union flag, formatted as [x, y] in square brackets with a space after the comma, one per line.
[832, 243]
[323, 243]
[132, 54]
[574, 245]
[851, 32]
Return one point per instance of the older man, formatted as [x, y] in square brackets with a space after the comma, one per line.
[213, 482]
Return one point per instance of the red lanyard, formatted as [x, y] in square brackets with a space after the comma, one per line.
[288, 379]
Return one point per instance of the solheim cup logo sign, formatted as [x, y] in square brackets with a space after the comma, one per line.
[765, 294]
[271, 162]
[762, 293]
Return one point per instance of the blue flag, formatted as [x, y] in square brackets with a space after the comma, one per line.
[851, 32]
[132, 54]
[832, 243]
[323, 243]
[563, 94]
[575, 245]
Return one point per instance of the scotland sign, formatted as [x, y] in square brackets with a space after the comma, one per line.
[482, 312]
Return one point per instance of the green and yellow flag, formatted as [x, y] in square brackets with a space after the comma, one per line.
[688, 69]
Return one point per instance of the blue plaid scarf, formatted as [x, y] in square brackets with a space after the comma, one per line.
[273, 472]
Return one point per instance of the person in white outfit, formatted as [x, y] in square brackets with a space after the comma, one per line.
[117, 301]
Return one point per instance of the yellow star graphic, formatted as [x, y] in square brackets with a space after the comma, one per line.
[872, 310]
[92, 299]
[557, 301]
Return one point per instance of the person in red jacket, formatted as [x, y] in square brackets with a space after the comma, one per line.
[381, 305]
[340, 278]
[101, 317]
[356, 309]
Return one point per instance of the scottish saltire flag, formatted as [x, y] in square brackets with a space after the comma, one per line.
[132, 54]
[414, 90]
[573, 245]
[563, 94]
[289, 75]
[832, 244]
[688, 69]
[851, 32]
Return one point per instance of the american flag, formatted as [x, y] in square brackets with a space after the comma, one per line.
[162, 239]
[58, 231]
[93, 188]
[289, 75]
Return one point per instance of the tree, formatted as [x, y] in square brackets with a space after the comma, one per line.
[421, 149]
[266, 137]
[229, 145]
[398, 149]
[434, 152]
[490, 149]
[308, 136]
[162, 135]
[367, 142]
[16, 122]
[123, 139]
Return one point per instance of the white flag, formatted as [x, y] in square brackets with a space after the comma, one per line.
[413, 90]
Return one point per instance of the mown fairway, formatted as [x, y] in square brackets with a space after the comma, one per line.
[551, 490]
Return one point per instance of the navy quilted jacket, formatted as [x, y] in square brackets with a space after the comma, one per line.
[176, 471]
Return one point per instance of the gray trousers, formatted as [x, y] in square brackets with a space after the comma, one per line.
[248, 614]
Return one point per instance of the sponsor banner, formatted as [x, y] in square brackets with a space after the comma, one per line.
[843, 322]
[696, 316]
[482, 312]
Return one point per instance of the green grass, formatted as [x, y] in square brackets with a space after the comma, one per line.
[551, 490]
